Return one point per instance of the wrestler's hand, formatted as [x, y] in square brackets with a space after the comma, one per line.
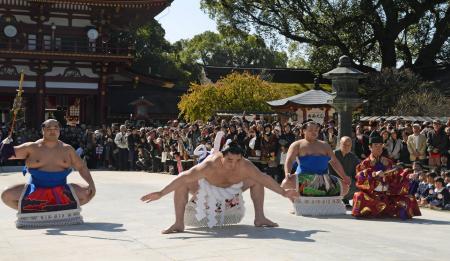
[91, 191]
[289, 182]
[151, 197]
[291, 194]
[290, 175]
[347, 181]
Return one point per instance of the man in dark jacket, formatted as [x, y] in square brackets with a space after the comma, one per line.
[437, 142]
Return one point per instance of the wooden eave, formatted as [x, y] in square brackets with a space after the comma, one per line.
[70, 56]
[108, 3]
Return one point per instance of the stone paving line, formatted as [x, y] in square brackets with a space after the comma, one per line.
[120, 227]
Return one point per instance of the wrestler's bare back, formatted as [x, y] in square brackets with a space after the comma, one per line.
[217, 175]
[51, 157]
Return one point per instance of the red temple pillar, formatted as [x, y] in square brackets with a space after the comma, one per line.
[40, 99]
[327, 110]
[304, 114]
[102, 95]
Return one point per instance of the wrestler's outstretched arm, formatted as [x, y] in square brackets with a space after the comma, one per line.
[14, 152]
[80, 165]
[193, 174]
[267, 181]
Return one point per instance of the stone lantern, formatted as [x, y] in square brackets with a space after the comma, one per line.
[345, 82]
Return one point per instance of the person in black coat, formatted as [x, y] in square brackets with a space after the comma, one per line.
[361, 143]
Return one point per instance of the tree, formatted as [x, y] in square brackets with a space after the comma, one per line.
[422, 103]
[230, 47]
[386, 32]
[384, 90]
[182, 60]
[296, 56]
[236, 92]
[153, 53]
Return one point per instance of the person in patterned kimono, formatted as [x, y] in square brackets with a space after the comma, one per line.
[383, 187]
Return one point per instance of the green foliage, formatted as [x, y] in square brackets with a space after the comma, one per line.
[296, 56]
[230, 47]
[182, 60]
[236, 92]
[382, 32]
[291, 89]
[154, 54]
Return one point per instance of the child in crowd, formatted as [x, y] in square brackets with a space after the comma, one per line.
[414, 178]
[447, 180]
[440, 199]
[428, 190]
[422, 187]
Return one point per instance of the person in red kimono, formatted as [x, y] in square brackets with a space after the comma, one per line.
[384, 188]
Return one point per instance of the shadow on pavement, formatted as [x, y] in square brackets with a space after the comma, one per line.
[92, 226]
[247, 231]
[414, 220]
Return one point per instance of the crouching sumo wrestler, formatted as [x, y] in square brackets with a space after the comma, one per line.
[217, 184]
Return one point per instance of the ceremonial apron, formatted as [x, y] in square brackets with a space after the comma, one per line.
[48, 200]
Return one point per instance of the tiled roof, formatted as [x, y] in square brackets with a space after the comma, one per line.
[278, 75]
[311, 97]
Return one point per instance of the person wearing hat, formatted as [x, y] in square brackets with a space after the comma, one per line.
[383, 188]
[417, 145]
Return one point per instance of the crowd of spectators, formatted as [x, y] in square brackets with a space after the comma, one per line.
[175, 145]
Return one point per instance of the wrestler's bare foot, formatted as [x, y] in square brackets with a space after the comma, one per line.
[175, 228]
[264, 222]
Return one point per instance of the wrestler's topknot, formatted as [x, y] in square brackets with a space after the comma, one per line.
[45, 123]
[233, 148]
[308, 123]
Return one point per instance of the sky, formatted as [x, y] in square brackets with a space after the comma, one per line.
[184, 19]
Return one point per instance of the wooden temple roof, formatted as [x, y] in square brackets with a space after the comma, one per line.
[109, 3]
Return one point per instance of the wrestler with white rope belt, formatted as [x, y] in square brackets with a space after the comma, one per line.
[215, 182]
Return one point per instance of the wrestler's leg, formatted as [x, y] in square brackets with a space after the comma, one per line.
[11, 195]
[180, 200]
[82, 193]
[257, 195]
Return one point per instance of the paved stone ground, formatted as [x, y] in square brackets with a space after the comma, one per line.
[119, 227]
